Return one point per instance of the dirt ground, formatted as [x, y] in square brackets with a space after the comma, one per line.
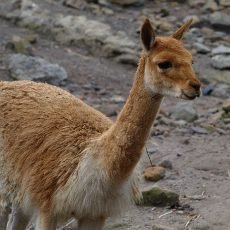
[201, 162]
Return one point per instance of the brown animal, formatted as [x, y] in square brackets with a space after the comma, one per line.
[60, 158]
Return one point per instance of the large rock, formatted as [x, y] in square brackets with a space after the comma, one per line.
[221, 62]
[96, 36]
[22, 67]
[220, 20]
[159, 197]
[184, 111]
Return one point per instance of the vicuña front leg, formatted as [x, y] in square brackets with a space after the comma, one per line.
[4, 214]
[89, 224]
[45, 221]
[17, 220]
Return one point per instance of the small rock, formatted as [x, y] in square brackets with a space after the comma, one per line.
[208, 89]
[130, 59]
[201, 48]
[185, 141]
[210, 5]
[108, 110]
[78, 4]
[221, 62]
[195, 19]
[166, 164]
[127, 2]
[221, 49]
[31, 38]
[224, 2]
[216, 117]
[220, 20]
[201, 225]
[117, 99]
[24, 67]
[184, 111]
[159, 197]
[221, 90]
[226, 106]
[161, 227]
[154, 173]
[19, 45]
[196, 3]
[199, 130]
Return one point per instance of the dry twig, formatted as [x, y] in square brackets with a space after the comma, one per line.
[167, 213]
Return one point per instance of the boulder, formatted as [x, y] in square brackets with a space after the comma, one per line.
[22, 67]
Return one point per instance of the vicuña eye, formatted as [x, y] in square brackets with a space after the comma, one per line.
[165, 65]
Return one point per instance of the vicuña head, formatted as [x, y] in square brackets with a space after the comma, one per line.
[168, 69]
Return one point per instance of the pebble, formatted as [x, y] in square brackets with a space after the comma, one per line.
[199, 130]
[208, 89]
[166, 164]
[117, 99]
[161, 227]
[127, 2]
[226, 106]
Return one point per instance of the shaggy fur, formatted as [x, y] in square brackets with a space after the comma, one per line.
[60, 158]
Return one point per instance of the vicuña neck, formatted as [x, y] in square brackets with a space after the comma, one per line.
[124, 141]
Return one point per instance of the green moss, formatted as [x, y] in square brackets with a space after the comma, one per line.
[159, 197]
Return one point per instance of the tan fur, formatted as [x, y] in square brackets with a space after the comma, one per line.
[60, 158]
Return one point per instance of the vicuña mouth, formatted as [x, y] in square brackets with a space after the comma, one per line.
[188, 96]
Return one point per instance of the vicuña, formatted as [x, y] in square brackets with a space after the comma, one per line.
[60, 158]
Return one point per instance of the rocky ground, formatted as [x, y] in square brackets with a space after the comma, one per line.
[91, 48]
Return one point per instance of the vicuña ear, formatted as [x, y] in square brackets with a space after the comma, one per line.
[147, 35]
[180, 32]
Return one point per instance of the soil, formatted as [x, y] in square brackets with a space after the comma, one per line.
[201, 162]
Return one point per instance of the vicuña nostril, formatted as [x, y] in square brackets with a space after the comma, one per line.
[195, 85]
